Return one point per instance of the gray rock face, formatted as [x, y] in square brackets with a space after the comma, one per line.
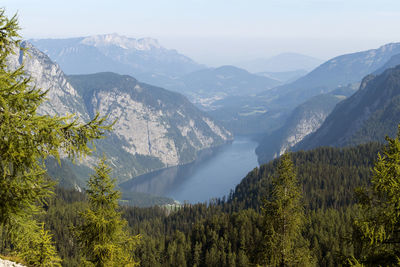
[369, 115]
[155, 128]
[308, 123]
[151, 121]
[304, 120]
[63, 98]
[140, 58]
[7, 263]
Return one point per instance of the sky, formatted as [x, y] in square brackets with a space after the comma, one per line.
[217, 32]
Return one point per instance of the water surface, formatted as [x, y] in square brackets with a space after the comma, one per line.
[213, 174]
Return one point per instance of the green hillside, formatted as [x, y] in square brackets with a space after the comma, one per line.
[369, 115]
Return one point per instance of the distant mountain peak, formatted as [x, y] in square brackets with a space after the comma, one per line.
[389, 47]
[230, 68]
[143, 58]
[124, 42]
[293, 54]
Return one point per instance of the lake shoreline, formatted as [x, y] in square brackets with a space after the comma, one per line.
[191, 182]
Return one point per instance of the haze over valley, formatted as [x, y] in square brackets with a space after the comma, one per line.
[146, 134]
[158, 129]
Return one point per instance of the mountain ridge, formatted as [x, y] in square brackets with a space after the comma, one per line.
[339, 71]
[368, 115]
[140, 58]
[303, 120]
[157, 111]
[227, 80]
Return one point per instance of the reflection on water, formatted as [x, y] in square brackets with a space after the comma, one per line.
[213, 174]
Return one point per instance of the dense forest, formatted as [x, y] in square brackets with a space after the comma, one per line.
[229, 231]
[325, 207]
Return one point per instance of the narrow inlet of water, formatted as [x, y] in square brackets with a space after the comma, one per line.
[213, 174]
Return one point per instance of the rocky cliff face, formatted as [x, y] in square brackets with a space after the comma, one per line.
[63, 98]
[155, 128]
[369, 115]
[7, 263]
[307, 124]
[151, 121]
[143, 58]
[304, 120]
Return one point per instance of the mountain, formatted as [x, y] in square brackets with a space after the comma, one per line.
[156, 128]
[339, 71]
[49, 76]
[281, 63]
[208, 85]
[327, 175]
[228, 94]
[247, 115]
[343, 73]
[149, 62]
[228, 80]
[304, 119]
[153, 125]
[368, 115]
[285, 76]
[111, 52]
[391, 63]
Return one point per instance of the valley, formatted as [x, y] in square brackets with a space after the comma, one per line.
[126, 151]
[154, 128]
[159, 133]
[213, 174]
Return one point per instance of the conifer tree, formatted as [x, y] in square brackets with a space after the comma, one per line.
[284, 220]
[36, 246]
[26, 139]
[103, 237]
[379, 225]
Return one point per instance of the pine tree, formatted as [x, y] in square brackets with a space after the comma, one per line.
[197, 255]
[379, 225]
[284, 220]
[38, 250]
[103, 236]
[26, 139]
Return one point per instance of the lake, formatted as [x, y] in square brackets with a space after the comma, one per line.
[215, 172]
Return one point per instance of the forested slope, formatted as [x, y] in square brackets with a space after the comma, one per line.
[229, 232]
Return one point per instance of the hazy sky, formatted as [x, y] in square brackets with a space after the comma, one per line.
[218, 32]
